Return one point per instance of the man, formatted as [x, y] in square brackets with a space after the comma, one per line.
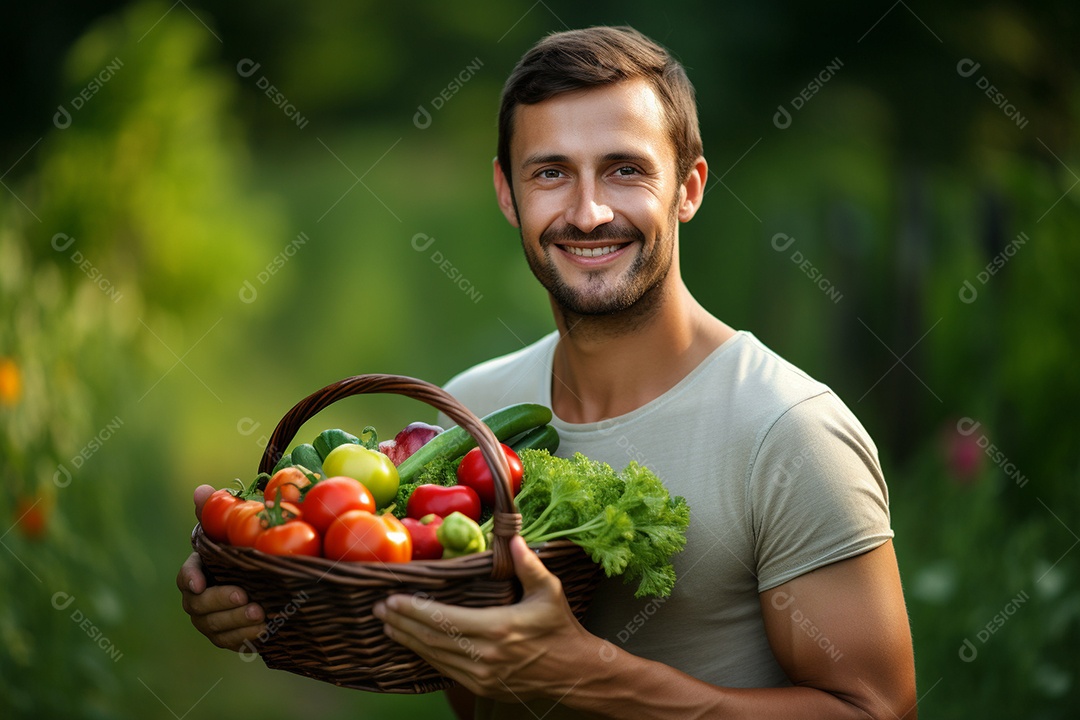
[788, 599]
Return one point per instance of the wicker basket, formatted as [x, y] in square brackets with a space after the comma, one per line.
[319, 617]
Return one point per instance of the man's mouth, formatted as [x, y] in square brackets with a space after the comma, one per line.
[593, 251]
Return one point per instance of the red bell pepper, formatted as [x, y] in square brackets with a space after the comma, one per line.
[441, 501]
[425, 543]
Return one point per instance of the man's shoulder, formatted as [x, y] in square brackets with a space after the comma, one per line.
[765, 379]
[774, 394]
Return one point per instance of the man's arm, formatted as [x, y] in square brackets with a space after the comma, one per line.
[840, 632]
[843, 629]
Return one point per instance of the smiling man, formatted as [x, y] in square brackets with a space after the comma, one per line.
[788, 600]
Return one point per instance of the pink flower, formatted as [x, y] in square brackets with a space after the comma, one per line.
[963, 456]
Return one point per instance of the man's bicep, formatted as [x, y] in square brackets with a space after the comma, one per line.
[843, 628]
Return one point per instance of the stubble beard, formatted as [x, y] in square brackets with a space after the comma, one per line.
[616, 307]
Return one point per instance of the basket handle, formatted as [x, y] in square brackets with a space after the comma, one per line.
[507, 520]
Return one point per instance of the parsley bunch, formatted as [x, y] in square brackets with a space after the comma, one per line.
[626, 521]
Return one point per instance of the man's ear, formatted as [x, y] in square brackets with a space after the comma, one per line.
[505, 195]
[693, 190]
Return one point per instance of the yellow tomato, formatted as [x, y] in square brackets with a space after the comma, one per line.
[374, 470]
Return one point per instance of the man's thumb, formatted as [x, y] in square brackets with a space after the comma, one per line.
[202, 494]
[530, 570]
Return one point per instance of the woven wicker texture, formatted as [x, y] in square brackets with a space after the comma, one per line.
[319, 611]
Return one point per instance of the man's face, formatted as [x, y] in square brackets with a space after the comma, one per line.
[597, 197]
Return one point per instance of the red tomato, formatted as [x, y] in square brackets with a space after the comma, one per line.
[474, 472]
[291, 481]
[215, 514]
[425, 543]
[244, 523]
[329, 498]
[294, 537]
[358, 535]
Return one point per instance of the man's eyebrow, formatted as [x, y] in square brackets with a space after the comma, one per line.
[617, 156]
[626, 156]
[539, 159]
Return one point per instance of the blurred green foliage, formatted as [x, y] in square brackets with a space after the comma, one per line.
[187, 258]
[56, 338]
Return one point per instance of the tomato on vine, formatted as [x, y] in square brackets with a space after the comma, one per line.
[244, 523]
[291, 481]
[294, 537]
[215, 514]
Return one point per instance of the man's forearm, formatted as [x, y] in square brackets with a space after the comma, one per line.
[616, 684]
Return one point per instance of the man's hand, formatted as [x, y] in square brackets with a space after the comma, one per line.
[510, 653]
[221, 613]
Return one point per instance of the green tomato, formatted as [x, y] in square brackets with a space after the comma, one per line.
[372, 469]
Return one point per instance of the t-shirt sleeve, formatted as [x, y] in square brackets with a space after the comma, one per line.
[816, 490]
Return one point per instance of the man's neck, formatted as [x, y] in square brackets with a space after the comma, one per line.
[609, 366]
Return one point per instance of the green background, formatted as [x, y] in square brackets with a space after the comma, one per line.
[136, 362]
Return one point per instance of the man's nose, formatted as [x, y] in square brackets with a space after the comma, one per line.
[587, 210]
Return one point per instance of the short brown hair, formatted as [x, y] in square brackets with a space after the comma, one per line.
[579, 59]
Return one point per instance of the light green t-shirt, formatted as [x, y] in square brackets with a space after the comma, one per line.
[780, 477]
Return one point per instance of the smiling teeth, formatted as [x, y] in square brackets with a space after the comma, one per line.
[592, 252]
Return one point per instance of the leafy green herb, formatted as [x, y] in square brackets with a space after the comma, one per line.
[626, 521]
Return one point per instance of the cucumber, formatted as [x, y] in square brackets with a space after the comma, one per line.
[455, 442]
[306, 456]
[545, 437]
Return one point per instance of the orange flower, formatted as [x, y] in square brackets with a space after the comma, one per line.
[10, 382]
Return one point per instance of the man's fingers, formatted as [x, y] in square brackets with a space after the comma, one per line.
[202, 493]
[215, 599]
[244, 640]
[225, 621]
[421, 629]
[464, 620]
[452, 661]
[222, 612]
[191, 577]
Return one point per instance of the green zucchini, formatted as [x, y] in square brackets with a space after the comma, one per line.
[330, 439]
[307, 456]
[545, 437]
[455, 442]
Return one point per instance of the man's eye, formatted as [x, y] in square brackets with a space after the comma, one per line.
[550, 174]
[627, 170]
